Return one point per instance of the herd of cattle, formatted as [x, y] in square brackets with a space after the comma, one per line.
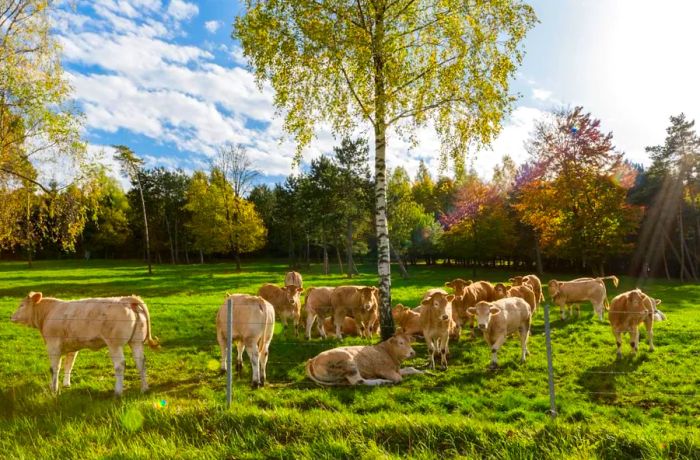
[497, 310]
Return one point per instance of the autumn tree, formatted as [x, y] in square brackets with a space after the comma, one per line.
[572, 198]
[393, 64]
[37, 117]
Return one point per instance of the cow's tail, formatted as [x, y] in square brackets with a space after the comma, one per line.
[606, 303]
[311, 375]
[306, 296]
[151, 341]
[613, 278]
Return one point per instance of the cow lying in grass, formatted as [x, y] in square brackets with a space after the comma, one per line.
[366, 365]
[68, 326]
[627, 311]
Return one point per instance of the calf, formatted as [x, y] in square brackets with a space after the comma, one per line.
[564, 293]
[501, 318]
[535, 284]
[317, 304]
[437, 323]
[293, 279]
[471, 295]
[252, 329]
[286, 301]
[627, 311]
[524, 291]
[367, 365]
[407, 319]
[68, 326]
[361, 303]
[349, 326]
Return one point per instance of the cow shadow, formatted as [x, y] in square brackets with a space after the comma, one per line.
[601, 381]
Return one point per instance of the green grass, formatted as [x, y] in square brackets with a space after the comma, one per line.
[643, 407]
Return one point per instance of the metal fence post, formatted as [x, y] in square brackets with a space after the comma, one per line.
[229, 352]
[550, 368]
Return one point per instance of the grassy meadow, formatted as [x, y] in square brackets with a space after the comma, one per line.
[642, 407]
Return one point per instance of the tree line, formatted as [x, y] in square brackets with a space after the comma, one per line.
[575, 205]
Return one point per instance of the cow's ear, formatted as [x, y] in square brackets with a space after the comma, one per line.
[658, 301]
[375, 289]
[426, 302]
[300, 290]
[35, 296]
[468, 282]
[494, 310]
[472, 310]
[450, 298]
[449, 284]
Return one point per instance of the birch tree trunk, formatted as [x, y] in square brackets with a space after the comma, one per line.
[145, 225]
[348, 236]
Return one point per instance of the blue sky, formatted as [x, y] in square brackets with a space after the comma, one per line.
[165, 78]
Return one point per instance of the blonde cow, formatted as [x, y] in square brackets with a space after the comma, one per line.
[317, 304]
[68, 326]
[524, 291]
[501, 318]
[535, 284]
[437, 324]
[467, 294]
[294, 279]
[360, 302]
[252, 328]
[565, 293]
[286, 301]
[366, 365]
[627, 311]
[407, 319]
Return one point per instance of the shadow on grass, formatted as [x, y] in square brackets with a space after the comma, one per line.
[601, 381]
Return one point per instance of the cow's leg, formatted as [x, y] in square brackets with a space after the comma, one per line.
[373, 382]
[264, 353]
[599, 308]
[562, 312]
[338, 317]
[410, 371]
[649, 324]
[618, 341]
[254, 355]
[240, 346]
[55, 360]
[634, 339]
[524, 333]
[444, 350]
[310, 317]
[431, 352]
[320, 328]
[222, 347]
[140, 359]
[116, 352]
[494, 350]
[68, 368]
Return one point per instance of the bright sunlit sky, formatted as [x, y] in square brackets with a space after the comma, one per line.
[165, 78]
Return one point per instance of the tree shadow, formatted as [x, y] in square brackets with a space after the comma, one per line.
[601, 381]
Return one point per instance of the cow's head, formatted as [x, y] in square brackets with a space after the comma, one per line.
[483, 312]
[516, 280]
[400, 346]
[458, 285]
[25, 313]
[500, 290]
[439, 304]
[554, 288]
[635, 300]
[292, 293]
[368, 298]
[398, 312]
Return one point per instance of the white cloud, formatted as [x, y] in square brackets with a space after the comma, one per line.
[212, 26]
[182, 10]
[541, 94]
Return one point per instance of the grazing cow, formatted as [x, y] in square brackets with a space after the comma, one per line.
[68, 326]
[524, 291]
[317, 304]
[534, 282]
[627, 311]
[360, 302]
[437, 323]
[367, 365]
[564, 293]
[501, 318]
[294, 279]
[407, 319]
[286, 301]
[252, 329]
